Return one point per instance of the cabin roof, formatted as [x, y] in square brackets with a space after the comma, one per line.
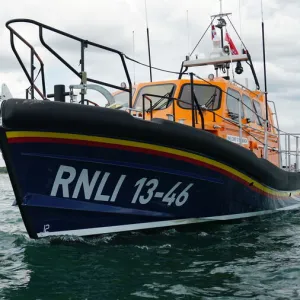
[184, 80]
[219, 81]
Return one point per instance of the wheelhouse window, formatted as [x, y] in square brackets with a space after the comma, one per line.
[259, 116]
[207, 95]
[163, 91]
[232, 101]
[248, 108]
[123, 98]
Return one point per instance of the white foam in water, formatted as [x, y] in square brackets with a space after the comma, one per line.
[144, 295]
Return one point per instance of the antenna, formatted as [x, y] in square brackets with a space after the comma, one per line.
[221, 23]
[149, 54]
[133, 49]
[240, 23]
[264, 59]
[188, 32]
[265, 74]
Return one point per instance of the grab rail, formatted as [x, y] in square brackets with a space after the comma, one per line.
[288, 152]
[83, 44]
[145, 96]
[291, 151]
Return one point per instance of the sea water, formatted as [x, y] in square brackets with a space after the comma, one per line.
[252, 259]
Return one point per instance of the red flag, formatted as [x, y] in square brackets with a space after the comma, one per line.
[231, 44]
[213, 32]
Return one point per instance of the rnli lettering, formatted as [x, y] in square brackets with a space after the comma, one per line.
[83, 181]
[66, 175]
[63, 182]
[105, 187]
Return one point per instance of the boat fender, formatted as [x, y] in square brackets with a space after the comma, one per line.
[253, 145]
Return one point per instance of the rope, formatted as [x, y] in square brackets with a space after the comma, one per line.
[203, 35]
[159, 69]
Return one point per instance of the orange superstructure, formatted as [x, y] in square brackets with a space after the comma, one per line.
[218, 102]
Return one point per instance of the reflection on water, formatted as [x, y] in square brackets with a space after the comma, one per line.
[256, 259]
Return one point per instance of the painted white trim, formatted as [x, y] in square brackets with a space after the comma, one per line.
[150, 225]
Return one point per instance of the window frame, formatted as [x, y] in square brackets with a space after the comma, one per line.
[259, 118]
[122, 92]
[253, 118]
[199, 84]
[229, 95]
[151, 85]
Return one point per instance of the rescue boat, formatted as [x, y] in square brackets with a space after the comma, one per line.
[160, 154]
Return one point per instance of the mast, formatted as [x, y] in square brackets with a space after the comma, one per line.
[148, 40]
[265, 82]
[264, 59]
[188, 33]
[240, 19]
[221, 24]
[133, 49]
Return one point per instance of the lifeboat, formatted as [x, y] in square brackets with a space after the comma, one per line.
[159, 154]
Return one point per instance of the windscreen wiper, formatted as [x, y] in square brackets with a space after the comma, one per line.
[211, 100]
[155, 105]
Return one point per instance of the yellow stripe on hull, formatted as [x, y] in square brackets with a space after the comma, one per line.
[113, 141]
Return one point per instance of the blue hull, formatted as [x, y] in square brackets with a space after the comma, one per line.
[82, 189]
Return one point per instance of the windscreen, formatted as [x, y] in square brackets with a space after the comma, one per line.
[162, 90]
[205, 95]
[123, 98]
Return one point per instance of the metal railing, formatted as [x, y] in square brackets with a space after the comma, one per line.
[194, 108]
[82, 43]
[289, 152]
[291, 156]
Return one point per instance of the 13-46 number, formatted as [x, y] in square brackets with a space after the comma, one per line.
[152, 185]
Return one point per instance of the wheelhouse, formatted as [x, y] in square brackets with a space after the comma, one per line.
[220, 106]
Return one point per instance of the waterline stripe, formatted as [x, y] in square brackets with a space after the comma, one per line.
[158, 224]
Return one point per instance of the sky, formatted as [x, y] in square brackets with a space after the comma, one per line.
[112, 23]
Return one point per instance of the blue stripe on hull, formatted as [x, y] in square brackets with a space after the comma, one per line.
[209, 194]
[137, 166]
[55, 219]
[36, 200]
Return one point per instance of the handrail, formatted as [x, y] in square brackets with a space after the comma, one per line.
[266, 128]
[83, 76]
[263, 143]
[173, 99]
[83, 44]
[289, 153]
[194, 100]
[145, 97]
[33, 54]
[246, 88]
